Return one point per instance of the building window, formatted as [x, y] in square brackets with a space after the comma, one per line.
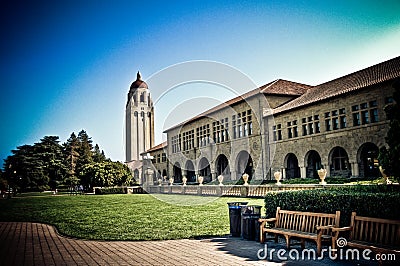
[176, 143]
[242, 124]
[328, 125]
[304, 129]
[356, 119]
[374, 115]
[364, 117]
[277, 132]
[164, 157]
[316, 124]
[203, 135]
[220, 130]
[335, 119]
[310, 125]
[365, 113]
[188, 140]
[292, 129]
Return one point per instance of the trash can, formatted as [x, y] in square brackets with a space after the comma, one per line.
[235, 217]
[250, 216]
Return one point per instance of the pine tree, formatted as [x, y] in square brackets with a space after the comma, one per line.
[85, 151]
[98, 156]
[49, 153]
[71, 155]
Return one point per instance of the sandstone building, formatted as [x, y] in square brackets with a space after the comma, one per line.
[286, 126]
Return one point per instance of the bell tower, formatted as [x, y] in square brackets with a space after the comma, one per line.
[139, 117]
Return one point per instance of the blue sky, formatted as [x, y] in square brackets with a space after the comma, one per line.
[68, 65]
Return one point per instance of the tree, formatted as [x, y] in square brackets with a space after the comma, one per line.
[71, 155]
[50, 154]
[24, 169]
[98, 156]
[106, 174]
[85, 155]
[390, 158]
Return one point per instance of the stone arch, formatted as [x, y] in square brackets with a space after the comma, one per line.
[222, 166]
[313, 163]
[177, 172]
[292, 169]
[244, 164]
[339, 162]
[190, 174]
[205, 169]
[367, 158]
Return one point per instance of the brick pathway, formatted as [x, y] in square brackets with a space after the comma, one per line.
[39, 244]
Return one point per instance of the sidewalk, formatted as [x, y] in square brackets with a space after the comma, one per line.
[39, 244]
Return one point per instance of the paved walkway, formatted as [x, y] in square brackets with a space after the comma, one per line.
[40, 244]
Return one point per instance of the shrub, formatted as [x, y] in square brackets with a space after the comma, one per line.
[110, 190]
[374, 201]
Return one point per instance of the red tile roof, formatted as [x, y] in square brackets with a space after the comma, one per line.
[369, 76]
[276, 87]
[285, 87]
[158, 147]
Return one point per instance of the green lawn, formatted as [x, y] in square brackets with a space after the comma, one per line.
[125, 217]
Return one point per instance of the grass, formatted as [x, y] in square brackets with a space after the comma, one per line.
[125, 217]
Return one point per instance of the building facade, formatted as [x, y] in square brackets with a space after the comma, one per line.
[286, 126]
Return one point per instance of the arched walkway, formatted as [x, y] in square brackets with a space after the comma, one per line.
[244, 164]
[205, 170]
[339, 162]
[177, 171]
[222, 166]
[190, 174]
[313, 160]
[292, 166]
[368, 160]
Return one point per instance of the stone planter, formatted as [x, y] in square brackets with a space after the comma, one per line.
[171, 181]
[322, 176]
[200, 179]
[278, 176]
[184, 180]
[245, 179]
[220, 179]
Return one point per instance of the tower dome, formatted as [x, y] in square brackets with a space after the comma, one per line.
[138, 83]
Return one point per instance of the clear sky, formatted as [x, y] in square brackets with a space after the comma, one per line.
[67, 65]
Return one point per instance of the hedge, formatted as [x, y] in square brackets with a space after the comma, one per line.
[110, 190]
[372, 200]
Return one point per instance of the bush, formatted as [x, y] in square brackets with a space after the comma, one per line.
[110, 190]
[373, 201]
[329, 180]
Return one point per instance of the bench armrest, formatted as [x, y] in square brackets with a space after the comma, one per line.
[342, 229]
[322, 227]
[263, 221]
[269, 220]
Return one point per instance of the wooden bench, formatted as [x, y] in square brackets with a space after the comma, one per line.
[303, 225]
[376, 234]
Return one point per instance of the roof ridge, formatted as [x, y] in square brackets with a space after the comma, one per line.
[371, 75]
